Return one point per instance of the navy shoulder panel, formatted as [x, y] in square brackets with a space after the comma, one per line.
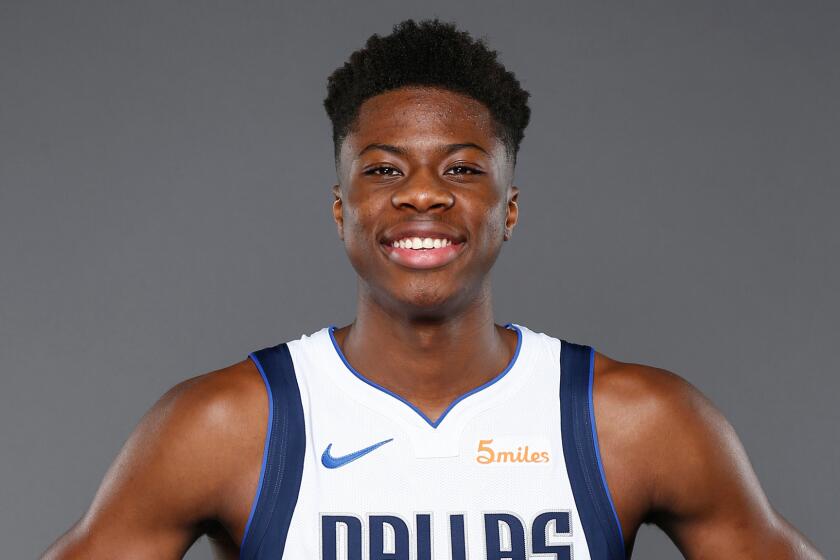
[282, 465]
[583, 458]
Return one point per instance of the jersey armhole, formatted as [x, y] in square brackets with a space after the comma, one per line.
[256, 498]
[283, 457]
[582, 454]
[591, 406]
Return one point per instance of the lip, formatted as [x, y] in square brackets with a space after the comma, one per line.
[422, 259]
[421, 229]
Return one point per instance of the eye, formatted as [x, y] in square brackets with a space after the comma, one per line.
[387, 171]
[464, 170]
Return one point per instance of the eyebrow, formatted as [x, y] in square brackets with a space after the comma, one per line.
[446, 150]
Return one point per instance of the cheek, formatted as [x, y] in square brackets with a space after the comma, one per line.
[363, 207]
[493, 222]
[359, 230]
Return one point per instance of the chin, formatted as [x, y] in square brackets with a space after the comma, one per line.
[428, 305]
[429, 302]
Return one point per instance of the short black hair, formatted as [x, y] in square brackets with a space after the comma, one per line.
[428, 53]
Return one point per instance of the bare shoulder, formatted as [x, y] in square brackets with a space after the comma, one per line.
[643, 410]
[190, 466]
[672, 458]
[221, 415]
[212, 431]
[646, 400]
[632, 404]
[220, 407]
[660, 422]
[640, 388]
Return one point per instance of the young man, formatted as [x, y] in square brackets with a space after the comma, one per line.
[423, 430]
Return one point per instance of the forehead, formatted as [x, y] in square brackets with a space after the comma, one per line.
[422, 115]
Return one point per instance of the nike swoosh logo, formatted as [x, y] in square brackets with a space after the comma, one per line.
[334, 462]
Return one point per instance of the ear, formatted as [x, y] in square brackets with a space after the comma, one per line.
[512, 211]
[338, 211]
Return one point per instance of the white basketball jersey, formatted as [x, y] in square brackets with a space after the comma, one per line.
[352, 471]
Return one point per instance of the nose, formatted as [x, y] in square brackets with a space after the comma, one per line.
[423, 192]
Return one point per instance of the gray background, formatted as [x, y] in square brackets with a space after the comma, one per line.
[165, 204]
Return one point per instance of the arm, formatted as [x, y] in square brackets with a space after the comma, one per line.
[174, 475]
[697, 481]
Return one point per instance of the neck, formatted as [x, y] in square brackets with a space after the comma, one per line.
[429, 361]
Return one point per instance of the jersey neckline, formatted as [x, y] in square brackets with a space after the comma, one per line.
[448, 409]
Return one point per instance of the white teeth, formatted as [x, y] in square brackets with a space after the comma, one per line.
[421, 243]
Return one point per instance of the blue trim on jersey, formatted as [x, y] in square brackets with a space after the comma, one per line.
[265, 449]
[582, 454]
[282, 469]
[591, 405]
[437, 422]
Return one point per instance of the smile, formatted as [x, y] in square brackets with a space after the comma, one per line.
[418, 243]
[423, 252]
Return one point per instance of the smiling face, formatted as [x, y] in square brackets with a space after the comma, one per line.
[424, 200]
